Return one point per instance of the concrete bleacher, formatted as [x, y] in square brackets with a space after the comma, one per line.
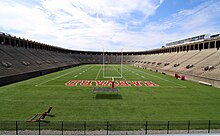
[194, 60]
[16, 59]
[175, 60]
[164, 59]
[26, 59]
[191, 63]
[19, 63]
[181, 61]
[214, 73]
[208, 58]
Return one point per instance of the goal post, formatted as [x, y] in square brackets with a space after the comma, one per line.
[110, 69]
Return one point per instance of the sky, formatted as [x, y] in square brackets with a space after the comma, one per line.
[112, 25]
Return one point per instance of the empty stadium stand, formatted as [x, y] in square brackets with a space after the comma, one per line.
[21, 59]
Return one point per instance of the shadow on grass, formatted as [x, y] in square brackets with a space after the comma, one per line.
[45, 121]
[108, 96]
[51, 116]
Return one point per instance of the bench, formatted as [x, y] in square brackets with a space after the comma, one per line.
[48, 111]
[205, 83]
[40, 117]
[32, 118]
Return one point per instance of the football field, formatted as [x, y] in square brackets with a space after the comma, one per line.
[143, 95]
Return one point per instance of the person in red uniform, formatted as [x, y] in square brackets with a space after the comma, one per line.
[113, 84]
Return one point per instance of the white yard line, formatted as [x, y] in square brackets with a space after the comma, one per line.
[156, 77]
[98, 73]
[120, 74]
[59, 76]
[146, 73]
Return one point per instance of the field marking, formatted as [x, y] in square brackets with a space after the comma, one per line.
[120, 74]
[98, 73]
[157, 77]
[160, 87]
[59, 76]
[102, 86]
[130, 69]
[147, 73]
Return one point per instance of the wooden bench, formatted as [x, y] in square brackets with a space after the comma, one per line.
[40, 117]
[48, 111]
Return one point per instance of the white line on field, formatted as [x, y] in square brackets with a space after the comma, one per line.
[120, 74]
[157, 77]
[98, 73]
[146, 73]
[58, 76]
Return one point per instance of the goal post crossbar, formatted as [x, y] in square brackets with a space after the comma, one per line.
[121, 68]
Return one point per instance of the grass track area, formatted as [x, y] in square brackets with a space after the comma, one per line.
[173, 99]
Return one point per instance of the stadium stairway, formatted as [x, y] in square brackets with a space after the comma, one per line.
[178, 65]
[177, 57]
[192, 62]
[213, 74]
[208, 59]
[20, 63]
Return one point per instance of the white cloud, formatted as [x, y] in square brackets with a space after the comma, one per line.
[98, 24]
[203, 19]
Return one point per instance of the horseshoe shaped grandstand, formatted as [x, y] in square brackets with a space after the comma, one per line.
[196, 57]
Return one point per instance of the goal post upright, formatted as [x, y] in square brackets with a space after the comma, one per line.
[121, 67]
[121, 61]
[111, 77]
[103, 60]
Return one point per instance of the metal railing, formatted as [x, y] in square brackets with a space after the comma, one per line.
[107, 127]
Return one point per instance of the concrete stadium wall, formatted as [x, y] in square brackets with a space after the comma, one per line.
[20, 77]
[195, 78]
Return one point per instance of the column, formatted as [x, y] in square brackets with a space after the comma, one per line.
[215, 44]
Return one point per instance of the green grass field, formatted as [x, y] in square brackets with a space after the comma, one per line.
[173, 99]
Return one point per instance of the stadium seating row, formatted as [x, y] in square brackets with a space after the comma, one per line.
[30, 59]
[17, 61]
[204, 63]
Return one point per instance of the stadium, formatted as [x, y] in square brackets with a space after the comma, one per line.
[47, 89]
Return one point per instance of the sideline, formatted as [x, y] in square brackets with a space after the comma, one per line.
[155, 76]
[60, 76]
